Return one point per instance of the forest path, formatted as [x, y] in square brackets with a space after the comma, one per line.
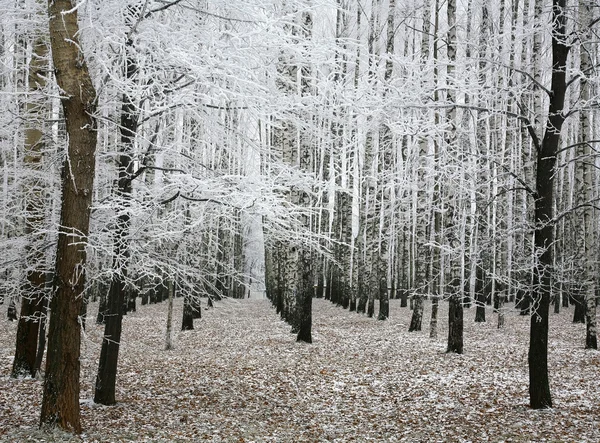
[241, 377]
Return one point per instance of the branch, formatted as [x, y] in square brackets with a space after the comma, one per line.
[520, 71]
[170, 199]
[207, 200]
[589, 204]
[141, 16]
[574, 145]
[139, 172]
[210, 14]
[226, 108]
[162, 8]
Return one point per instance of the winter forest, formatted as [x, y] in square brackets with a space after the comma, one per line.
[416, 177]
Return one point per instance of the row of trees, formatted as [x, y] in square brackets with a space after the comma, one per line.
[366, 147]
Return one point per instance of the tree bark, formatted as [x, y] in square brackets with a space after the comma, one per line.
[187, 320]
[587, 176]
[480, 295]
[60, 402]
[33, 293]
[109, 354]
[384, 301]
[305, 295]
[169, 332]
[455, 318]
[416, 320]
[539, 387]
[435, 303]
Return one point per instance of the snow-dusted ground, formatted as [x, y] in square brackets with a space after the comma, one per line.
[241, 377]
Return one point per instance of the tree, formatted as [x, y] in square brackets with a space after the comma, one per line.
[113, 315]
[586, 178]
[33, 302]
[60, 402]
[455, 318]
[539, 387]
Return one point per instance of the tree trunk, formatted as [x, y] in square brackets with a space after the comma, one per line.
[455, 318]
[11, 312]
[417, 314]
[480, 308]
[305, 295]
[501, 299]
[435, 302]
[384, 301]
[33, 294]
[28, 328]
[371, 305]
[539, 387]
[578, 303]
[109, 354]
[187, 320]
[60, 402]
[403, 298]
[587, 177]
[102, 304]
[169, 332]
[564, 296]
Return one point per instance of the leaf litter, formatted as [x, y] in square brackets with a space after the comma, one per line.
[240, 376]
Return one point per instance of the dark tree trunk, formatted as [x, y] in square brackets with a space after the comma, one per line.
[384, 301]
[305, 295]
[361, 306]
[403, 298]
[564, 296]
[579, 304]
[539, 386]
[102, 305]
[480, 309]
[556, 299]
[109, 354]
[60, 401]
[329, 277]
[153, 294]
[28, 329]
[455, 325]
[131, 300]
[455, 318]
[320, 286]
[196, 304]
[187, 321]
[335, 288]
[480, 295]
[118, 293]
[33, 294]
[371, 306]
[344, 298]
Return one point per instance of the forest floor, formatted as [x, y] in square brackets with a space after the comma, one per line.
[240, 376]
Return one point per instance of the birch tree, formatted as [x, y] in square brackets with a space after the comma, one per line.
[586, 176]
